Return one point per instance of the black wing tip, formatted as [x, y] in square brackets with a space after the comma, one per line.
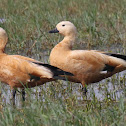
[33, 77]
[108, 68]
[117, 55]
[57, 71]
[68, 73]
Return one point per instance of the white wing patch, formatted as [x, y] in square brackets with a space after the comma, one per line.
[103, 72]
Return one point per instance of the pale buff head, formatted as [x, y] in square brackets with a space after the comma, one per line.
[66, 28]
[3, 39]
[3, 33]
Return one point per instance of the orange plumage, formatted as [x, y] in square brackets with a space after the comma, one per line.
[20, 71]
[88, 66]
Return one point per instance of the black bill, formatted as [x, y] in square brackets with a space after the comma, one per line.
[54, 31]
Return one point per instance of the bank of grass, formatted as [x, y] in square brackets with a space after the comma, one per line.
[101, 24]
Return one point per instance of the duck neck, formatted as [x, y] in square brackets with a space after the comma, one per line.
[2, 45]
[67, 42]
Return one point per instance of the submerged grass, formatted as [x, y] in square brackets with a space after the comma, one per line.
[101, 24]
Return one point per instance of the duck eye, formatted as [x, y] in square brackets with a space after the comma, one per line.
[63, 25]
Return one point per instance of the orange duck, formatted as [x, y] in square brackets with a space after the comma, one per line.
[19, 71]
[88, 66]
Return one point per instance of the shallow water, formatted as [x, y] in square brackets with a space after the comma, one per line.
[110, 88]
[99, 90]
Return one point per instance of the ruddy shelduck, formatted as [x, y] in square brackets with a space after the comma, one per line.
[88, 66]
[19, 71]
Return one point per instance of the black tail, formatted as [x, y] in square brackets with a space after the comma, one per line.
[117, 55]
[56, 71]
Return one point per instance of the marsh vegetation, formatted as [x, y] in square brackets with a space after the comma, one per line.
[101, 25]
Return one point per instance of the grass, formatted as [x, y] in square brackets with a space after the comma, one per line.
[101, 24]
[57, 105]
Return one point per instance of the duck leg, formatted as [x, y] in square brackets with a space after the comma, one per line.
[84, 88]
[13, 97]
[23, 94]
[14, 93]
